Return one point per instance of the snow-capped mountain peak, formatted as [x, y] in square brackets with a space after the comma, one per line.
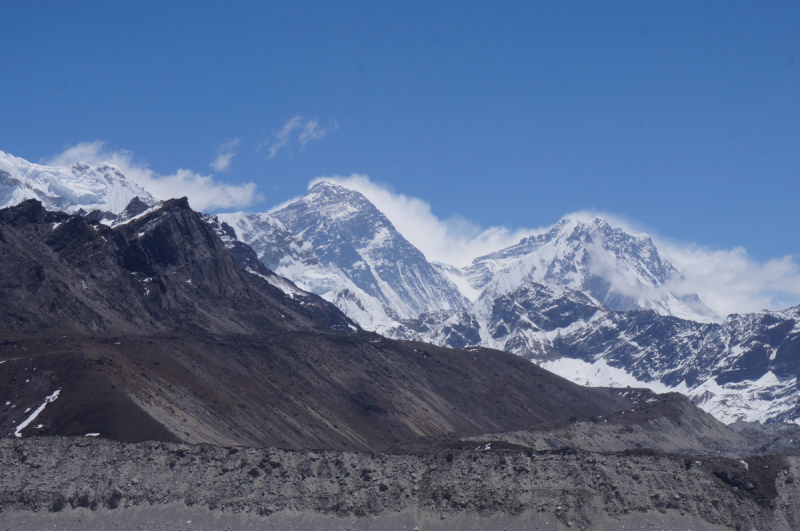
[81, 186]
[334, 242]
[586, 299]
[620, 271]
[349, 234]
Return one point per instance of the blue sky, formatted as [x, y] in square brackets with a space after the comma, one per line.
[682, 116]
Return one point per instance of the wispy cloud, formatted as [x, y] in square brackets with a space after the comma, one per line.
[727, 281]
[730, 281]
[203, 191]
[456, 240]
[281, 138]
[311, 131]
[225, 155]
[296, 129]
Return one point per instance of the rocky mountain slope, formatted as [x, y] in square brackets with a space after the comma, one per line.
[745, 368]
[161, 270]
[151, 329]
[588, 300]
[153, 322]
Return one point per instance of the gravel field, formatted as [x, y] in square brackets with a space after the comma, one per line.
[78, 483]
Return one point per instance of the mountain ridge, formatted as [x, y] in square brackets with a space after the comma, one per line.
[335, 243]
[152, 329]
[544, 298]
[100, 187]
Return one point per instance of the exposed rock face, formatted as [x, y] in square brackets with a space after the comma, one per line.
[162, 326]
[584, 292]
[745, 368]
[151, 329]
[557, 489]
[163, 270]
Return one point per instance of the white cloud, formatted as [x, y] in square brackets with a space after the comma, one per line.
[729, 281]
[456, 240]
[203, 191]
[281, 138]
[225, 155]
[310, 130]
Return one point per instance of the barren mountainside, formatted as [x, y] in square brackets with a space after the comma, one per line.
[591, 301]
[151, 329]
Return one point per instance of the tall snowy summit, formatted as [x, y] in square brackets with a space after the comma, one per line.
[618, 270]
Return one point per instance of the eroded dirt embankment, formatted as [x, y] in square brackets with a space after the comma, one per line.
[577, 489]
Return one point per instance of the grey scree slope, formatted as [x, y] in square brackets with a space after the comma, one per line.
[80, 483]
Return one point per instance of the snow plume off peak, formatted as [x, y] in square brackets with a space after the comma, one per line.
[455, 241]
[365, 258]
[618, 270]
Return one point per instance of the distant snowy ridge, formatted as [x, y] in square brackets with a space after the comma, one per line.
[745, 368]
[102, 187]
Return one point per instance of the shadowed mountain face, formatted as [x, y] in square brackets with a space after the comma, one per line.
[164, 270]
[152, 329]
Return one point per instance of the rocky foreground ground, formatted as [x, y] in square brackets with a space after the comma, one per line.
[86, 483]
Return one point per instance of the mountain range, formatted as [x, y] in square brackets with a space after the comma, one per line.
[584, 299]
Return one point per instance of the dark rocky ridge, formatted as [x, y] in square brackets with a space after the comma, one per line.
[151, 330]
[164, 271]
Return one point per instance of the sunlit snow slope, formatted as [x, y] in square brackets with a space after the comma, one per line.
[621, 271]
[333, 242]
[69, 189]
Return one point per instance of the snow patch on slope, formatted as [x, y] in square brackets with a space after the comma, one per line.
[750, 400]
[598, 374]
[24, 424]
